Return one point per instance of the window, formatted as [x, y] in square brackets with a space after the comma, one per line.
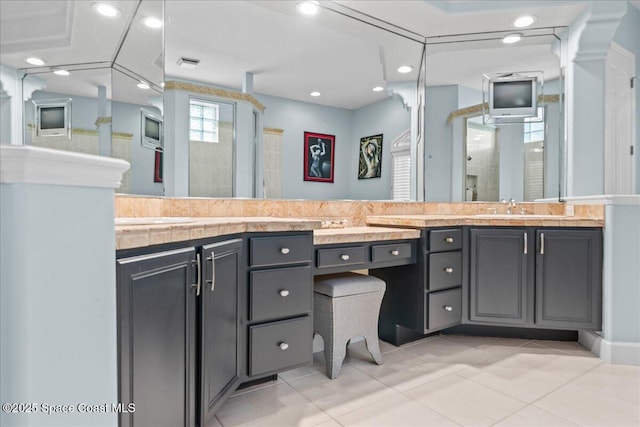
[203, 121]
[534, 127]
[401, 154]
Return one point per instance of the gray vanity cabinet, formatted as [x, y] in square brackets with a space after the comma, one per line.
[499, 276]
[157, 337]
[535, 277]
[568, 278]
[219, 327]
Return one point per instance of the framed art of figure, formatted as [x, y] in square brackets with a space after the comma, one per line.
[369, 165]
[318, 157]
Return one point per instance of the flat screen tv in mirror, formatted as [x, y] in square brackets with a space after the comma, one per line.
[151, 130]
[513, 97]
[53, 117]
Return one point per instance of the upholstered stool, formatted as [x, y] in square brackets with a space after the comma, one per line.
[345, 306]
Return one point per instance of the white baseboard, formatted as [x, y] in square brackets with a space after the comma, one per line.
[619, 353]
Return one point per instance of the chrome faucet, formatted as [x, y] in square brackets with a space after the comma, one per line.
[512, 206]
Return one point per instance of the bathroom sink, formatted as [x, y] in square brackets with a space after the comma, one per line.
[518, 216]
[153, 220]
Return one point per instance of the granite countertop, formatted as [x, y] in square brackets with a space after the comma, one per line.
[484, 220]
[328, 236]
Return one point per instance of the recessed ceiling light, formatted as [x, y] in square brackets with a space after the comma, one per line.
[35, 61]
[161, 84]
[405, 69]
[378, 89]
[61, 72]
[152, 22]
[106, 9]
[512, 38]
[524, 21]
[308, 7]
[315, 94]
[188, 62]
[143, 85]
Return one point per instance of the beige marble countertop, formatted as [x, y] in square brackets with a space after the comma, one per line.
[327, 236]
[483, 220]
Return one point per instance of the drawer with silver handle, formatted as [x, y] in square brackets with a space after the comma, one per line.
[279, 250]
[445, 308]
[278, 293]
[335, 257]
[445, 270]
[280, 345]
[393, 252]
[445, 240]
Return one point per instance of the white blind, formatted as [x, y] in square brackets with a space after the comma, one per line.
[401, 177]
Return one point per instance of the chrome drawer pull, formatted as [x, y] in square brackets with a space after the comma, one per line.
[283, 346]
[284, 293]
[525, 244]
[284, 251]
[213, 271]
[199, 277]
[448, 308]
[395, 252]
[344, 257]
[448, 270]
[541, 243]
[449, 240]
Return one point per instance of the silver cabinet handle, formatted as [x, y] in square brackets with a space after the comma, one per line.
[448, 270]
[541, 243]
[448, 308]
[198, 283]
[283, 293]
[283, 346]
[449, 240]
[344, 257]
[395, 252]
[284, 251]
[213, 271]
[525, 243]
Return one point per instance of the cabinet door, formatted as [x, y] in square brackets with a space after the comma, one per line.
[219, 325]
[498, 276]
[156, 338]
[569, 278]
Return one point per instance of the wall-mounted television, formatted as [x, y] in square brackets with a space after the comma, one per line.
[151, 130]
[53, 117]
[513, 96]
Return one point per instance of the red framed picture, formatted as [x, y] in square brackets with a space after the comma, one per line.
[157, 168]
[318, 157]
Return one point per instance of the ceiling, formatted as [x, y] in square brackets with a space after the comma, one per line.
[289, 55]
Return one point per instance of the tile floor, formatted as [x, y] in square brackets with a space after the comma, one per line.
[448, 381]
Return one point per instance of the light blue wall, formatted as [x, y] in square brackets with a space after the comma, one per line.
[389, 118]
[58, 301]
[468, 96]
[628, 36]
[295, 118]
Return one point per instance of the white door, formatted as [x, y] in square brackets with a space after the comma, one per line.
[619, 122]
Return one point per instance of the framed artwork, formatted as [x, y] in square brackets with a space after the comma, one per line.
[370, 163]
[318, 157]
[157, 167]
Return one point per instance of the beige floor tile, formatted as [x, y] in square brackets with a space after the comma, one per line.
[492, 344]
[403, 371]
[589, 407]
[280, 405]
[318, 366]
[618, 381]
[395, 411]
[350, 391]
[534, 417]
[566, 346]
[258, 387]
[214, 422]
[464, 401]
[359, 348]
[441, 350]
[330, 423]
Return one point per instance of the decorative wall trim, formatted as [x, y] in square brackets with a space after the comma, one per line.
[274, 131]
[622, 353]
[103, 121]
[212, 91]
[478, 108]
[24, 164]
[78, 131]
[605, 199]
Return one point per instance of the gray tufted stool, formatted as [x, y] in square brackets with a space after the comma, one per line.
[346, 305]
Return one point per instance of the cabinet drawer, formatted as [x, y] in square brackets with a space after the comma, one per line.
[445, 240]
[445, 270]
[381, 253]
[279, 345]
[445, 308]
[278, 293]
[266, 251]
[340, 256]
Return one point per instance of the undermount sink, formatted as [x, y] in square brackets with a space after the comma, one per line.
[153, 220]
[518, 216]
